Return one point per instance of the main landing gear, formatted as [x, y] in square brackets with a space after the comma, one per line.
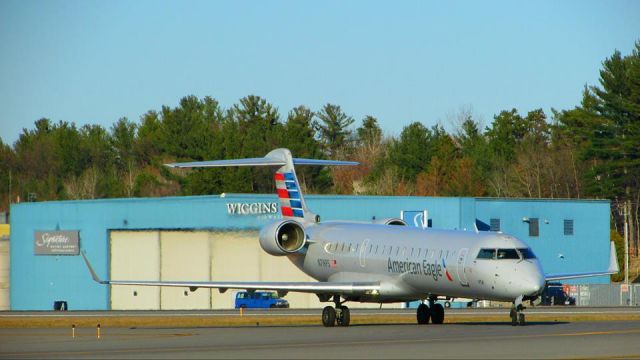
[339, 315]
[516, 312]
[433, 311]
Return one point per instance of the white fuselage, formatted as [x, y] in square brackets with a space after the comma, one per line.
[412, 263]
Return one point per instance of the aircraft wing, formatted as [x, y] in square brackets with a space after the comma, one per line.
[613, 269]
[347, 288]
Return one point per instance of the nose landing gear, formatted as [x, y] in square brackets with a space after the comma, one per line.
[516, 312]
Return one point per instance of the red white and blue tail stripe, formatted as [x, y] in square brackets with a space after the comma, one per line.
[289, 194]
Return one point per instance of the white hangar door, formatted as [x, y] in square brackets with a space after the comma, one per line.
[135, 255]
[184, 256]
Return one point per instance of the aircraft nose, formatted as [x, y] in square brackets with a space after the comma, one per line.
[535, 285]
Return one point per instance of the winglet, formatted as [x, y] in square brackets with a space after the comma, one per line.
[613, 260]
[93, 273]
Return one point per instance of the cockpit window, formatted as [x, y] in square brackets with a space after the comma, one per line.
[508, 254]
[487, 254]
[527, 253]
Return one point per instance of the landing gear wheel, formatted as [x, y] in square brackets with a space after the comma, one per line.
[328, 316]
[437, 314]
[423, 314]
[513, 314]
[521, 321]
[343, 316]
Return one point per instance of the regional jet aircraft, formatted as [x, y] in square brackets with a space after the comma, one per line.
[385, 261]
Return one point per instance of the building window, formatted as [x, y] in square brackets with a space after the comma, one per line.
[494, 225]
[568, 226]
[534, 228]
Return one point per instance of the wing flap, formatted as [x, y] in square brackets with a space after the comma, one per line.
[350, 288]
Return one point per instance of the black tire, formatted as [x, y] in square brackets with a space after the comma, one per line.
[521, 320]
[423, 314]
[243, 306]
[437, 314]
[514, 317]
[447, 304]
[343, 318]
[272, 306]
[328, 316]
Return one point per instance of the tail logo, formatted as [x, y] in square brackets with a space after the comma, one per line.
[289, 194]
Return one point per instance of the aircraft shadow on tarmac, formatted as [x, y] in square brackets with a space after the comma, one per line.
[474, 323]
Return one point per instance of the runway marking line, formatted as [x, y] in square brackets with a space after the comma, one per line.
[279, 346]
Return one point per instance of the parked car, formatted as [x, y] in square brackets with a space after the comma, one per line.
[259, 299]
[554, 294]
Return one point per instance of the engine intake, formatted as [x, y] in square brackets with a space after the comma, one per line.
[282, 237]
[390, 221]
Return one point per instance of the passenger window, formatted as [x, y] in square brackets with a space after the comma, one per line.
[397, 250]
[357, 247]
[377, 249]
[419, 251]
[342, 248]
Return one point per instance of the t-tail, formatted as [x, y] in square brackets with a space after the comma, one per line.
[292, 204]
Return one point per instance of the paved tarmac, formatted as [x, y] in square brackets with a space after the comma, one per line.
[561, 310]
[606, 340]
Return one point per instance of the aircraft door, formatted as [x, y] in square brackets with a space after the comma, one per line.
[461, 268]
[363, 252]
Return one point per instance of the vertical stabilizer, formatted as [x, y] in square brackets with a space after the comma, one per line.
[292, 203]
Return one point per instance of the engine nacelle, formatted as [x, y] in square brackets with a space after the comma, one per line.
[282, 237]
[390, 221]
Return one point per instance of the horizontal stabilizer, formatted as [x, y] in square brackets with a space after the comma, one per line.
[263, 161]
[258, 162]
[300, 161]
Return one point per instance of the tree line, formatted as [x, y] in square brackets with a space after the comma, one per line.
[590, 151]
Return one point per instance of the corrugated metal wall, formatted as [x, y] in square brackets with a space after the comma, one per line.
[197, 256]
[135, 255]
[4, 273]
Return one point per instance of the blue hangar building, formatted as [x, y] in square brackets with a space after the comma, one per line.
[215, 238]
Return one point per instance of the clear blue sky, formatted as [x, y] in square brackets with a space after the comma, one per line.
[400, 61]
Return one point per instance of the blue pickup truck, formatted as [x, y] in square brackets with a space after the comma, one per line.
[259, 299]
